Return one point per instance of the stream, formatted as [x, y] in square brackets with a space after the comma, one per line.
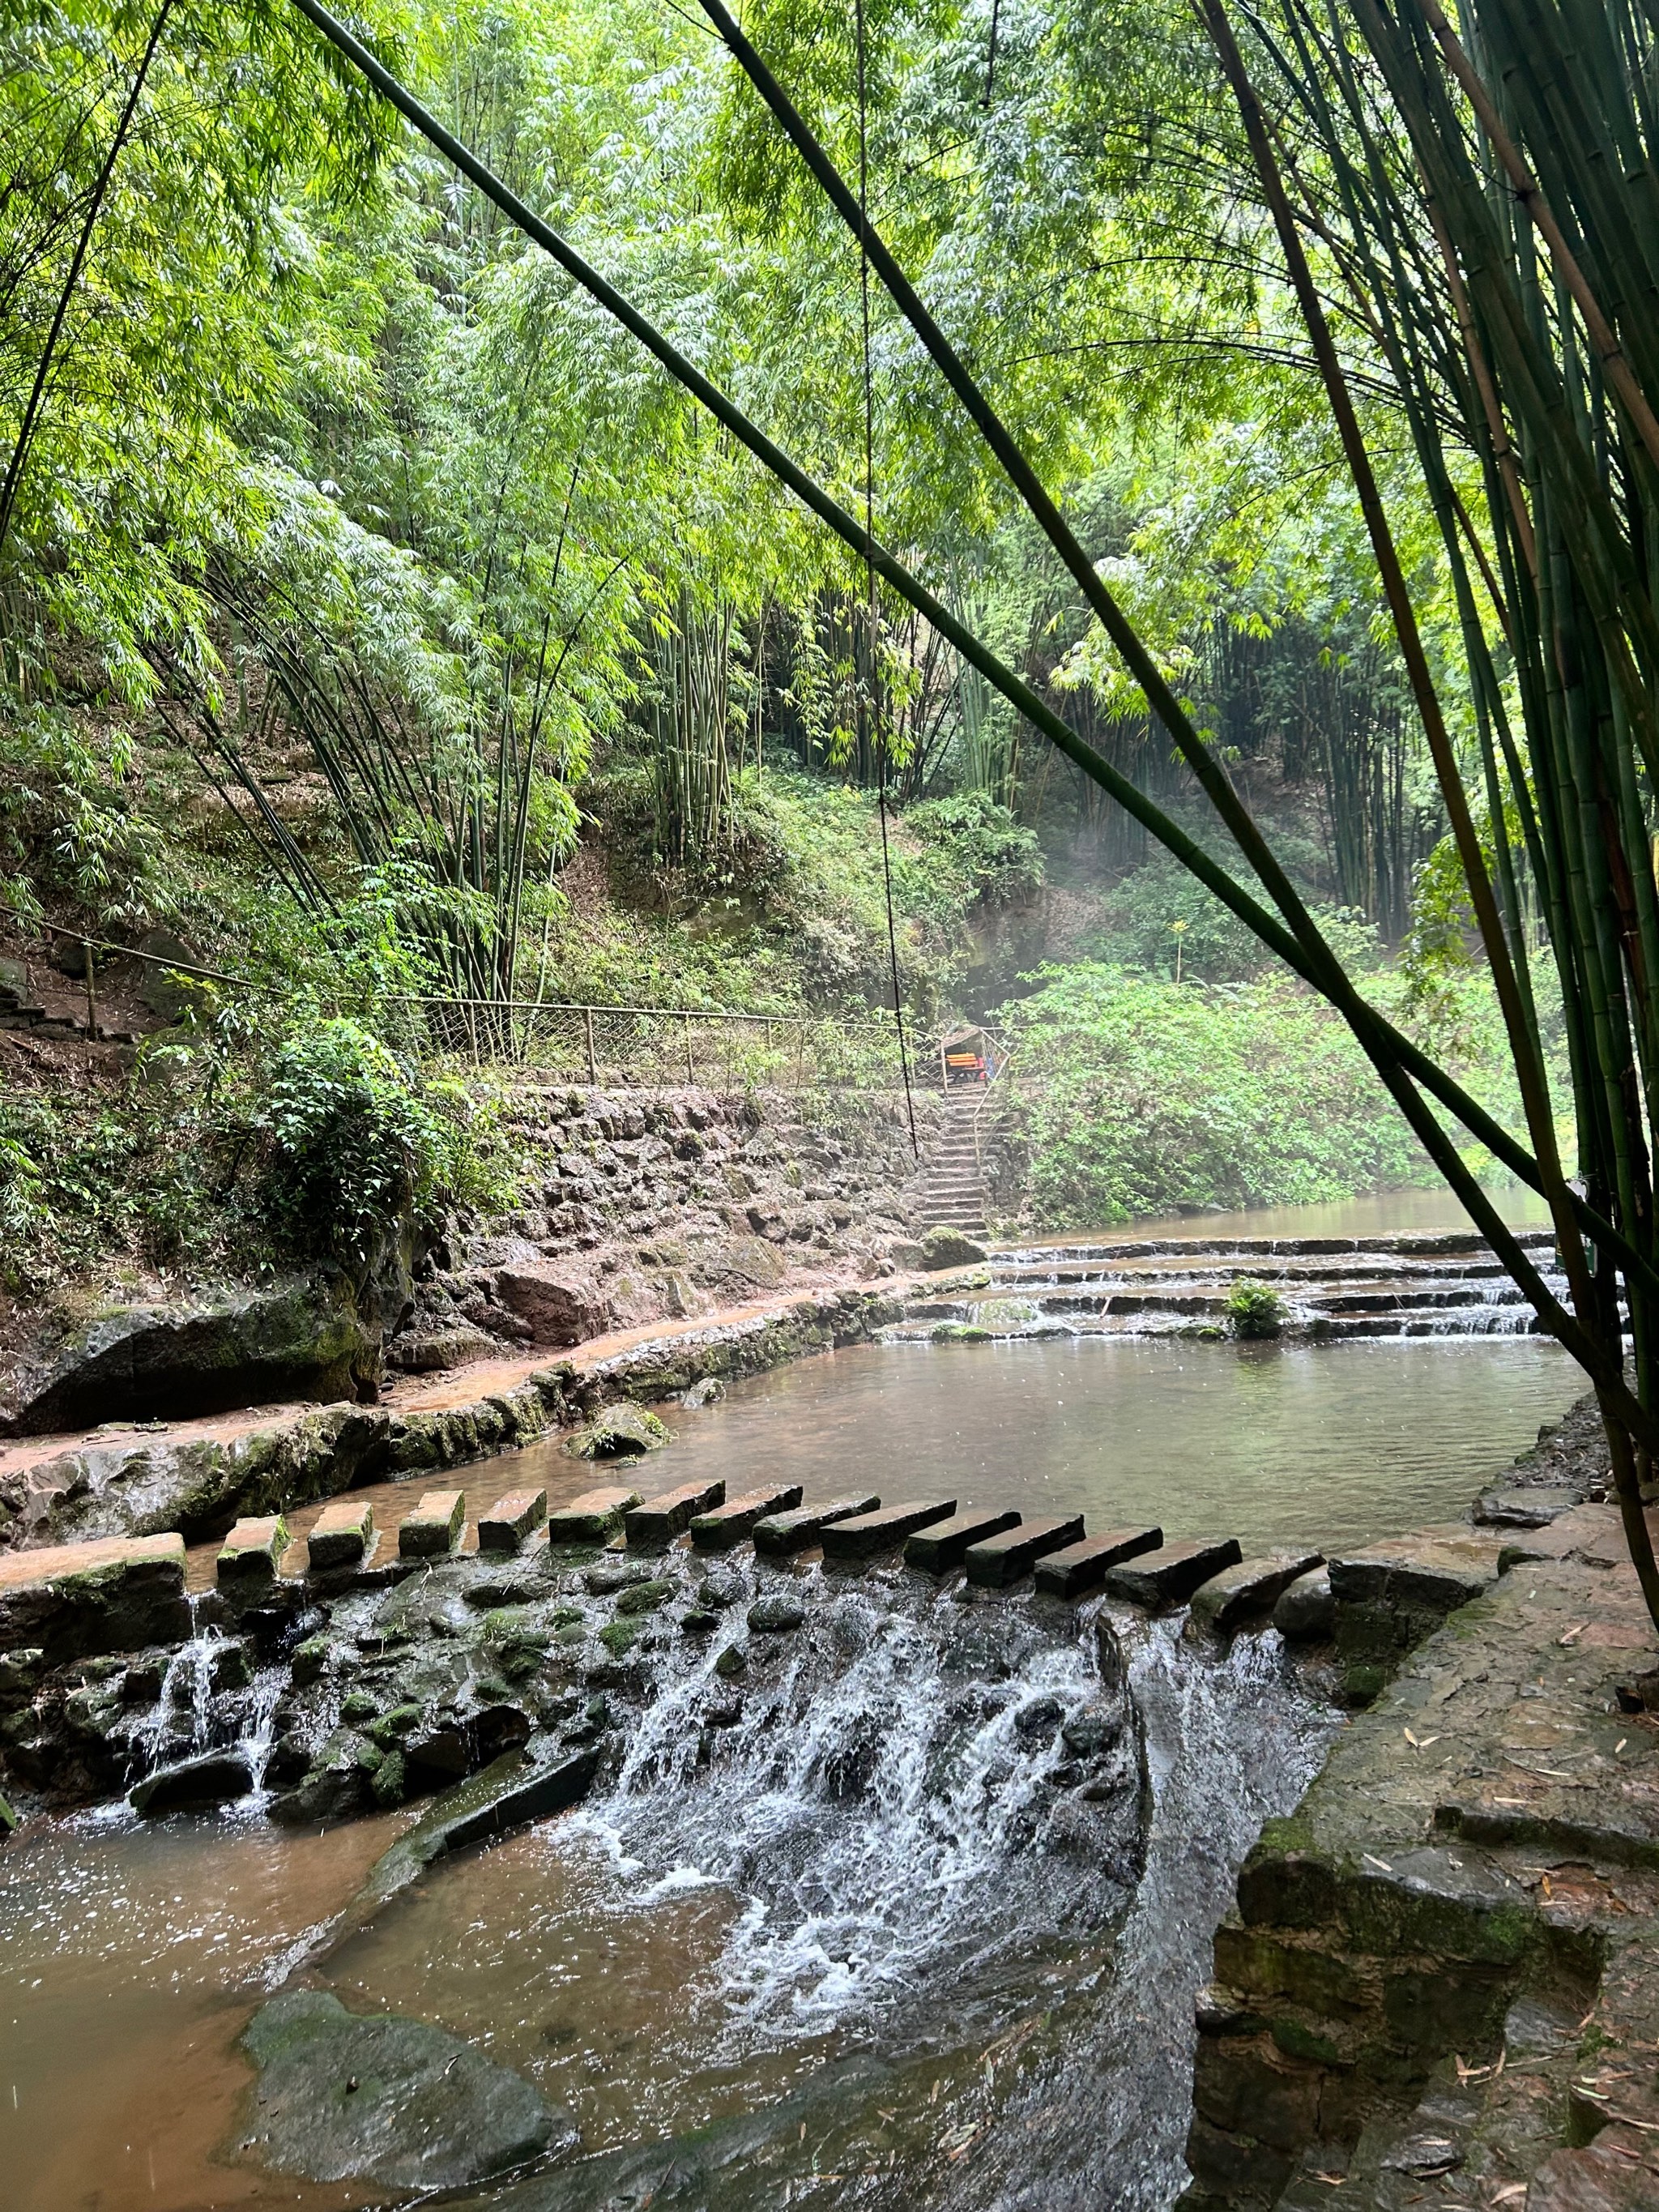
[858, 1959]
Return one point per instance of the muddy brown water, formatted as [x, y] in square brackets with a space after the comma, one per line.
[597, 1953]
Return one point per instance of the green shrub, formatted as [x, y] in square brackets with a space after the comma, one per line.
[1138, 1096]
[352, 1143]
[1254, 1309]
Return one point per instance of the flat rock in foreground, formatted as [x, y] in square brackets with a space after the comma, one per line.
[76, 1601]
[343, 2097]
[1171, 1574]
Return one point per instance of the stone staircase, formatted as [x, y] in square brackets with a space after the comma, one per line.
[950, 1191]
[1330, 1287]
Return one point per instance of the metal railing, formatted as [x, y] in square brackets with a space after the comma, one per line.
[613, 1046]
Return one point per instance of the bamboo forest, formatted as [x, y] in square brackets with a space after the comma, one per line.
[829, 1078]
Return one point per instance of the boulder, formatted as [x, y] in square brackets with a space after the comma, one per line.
[508, 1524]
[300, 1339]
[434, 1528]
[561, 1305]
[948, 1248]
[345, 2096]
[1306, 1611]
[434, 1351]
[777, 1614]
[620, 1431]
[254, 1550]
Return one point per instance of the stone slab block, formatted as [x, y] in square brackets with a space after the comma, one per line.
[728, 1525]
[863, 1534]
[254, 1550]
[434, 1528]
[1079, 1567]
[593, 1518]
[654, 1526]
[509, 1523]
[1254, 1587]
[1436, 1574]
[342, 1535]
[1171, 1574]
[1003, 1559]
[938, 1549]
[545, 1789]
[79, 1601]
[782, 1532]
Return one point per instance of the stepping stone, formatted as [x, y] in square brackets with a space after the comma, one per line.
[434, 1528]
[1169, 1576]
[866, 1534]
[942, 1546]
[342, 1535]
[508, 1524]
[252, 1549]
[728, 1525]
[795, 1531]
[593, 1518]
[654, 1525]
[1083, 1566]
[1004, 1559]
[1254, 1586]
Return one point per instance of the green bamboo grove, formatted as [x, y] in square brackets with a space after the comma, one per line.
[1491, 266]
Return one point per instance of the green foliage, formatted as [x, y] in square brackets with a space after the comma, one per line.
[352, 1144]
[1139, 1096]
[1254, 1311]
[981, 844]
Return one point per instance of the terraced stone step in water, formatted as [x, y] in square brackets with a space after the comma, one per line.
[509, 1523]
[866, 1534]
[254, 1550]
[1171, 1574]
[593, 1518]
[998, 1560]
[342, 1536]
[780, 1533]
[1245, 1592]
[1077, 1568]
[936, 1549]
[729, 1524]
[434, 1528]
[654, 1526]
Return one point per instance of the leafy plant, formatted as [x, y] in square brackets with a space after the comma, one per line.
[1254, 1311]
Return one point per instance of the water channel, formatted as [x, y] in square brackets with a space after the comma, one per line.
[906, 1995]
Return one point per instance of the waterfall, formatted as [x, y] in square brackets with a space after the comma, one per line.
[887, 1807]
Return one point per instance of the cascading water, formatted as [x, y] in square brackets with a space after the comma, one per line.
[888, 1808]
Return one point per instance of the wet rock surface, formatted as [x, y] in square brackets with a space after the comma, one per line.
[1440, 1982]
[342, 2097]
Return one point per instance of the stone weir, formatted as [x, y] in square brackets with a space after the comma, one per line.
[358, 1668]
[1327, 1288]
